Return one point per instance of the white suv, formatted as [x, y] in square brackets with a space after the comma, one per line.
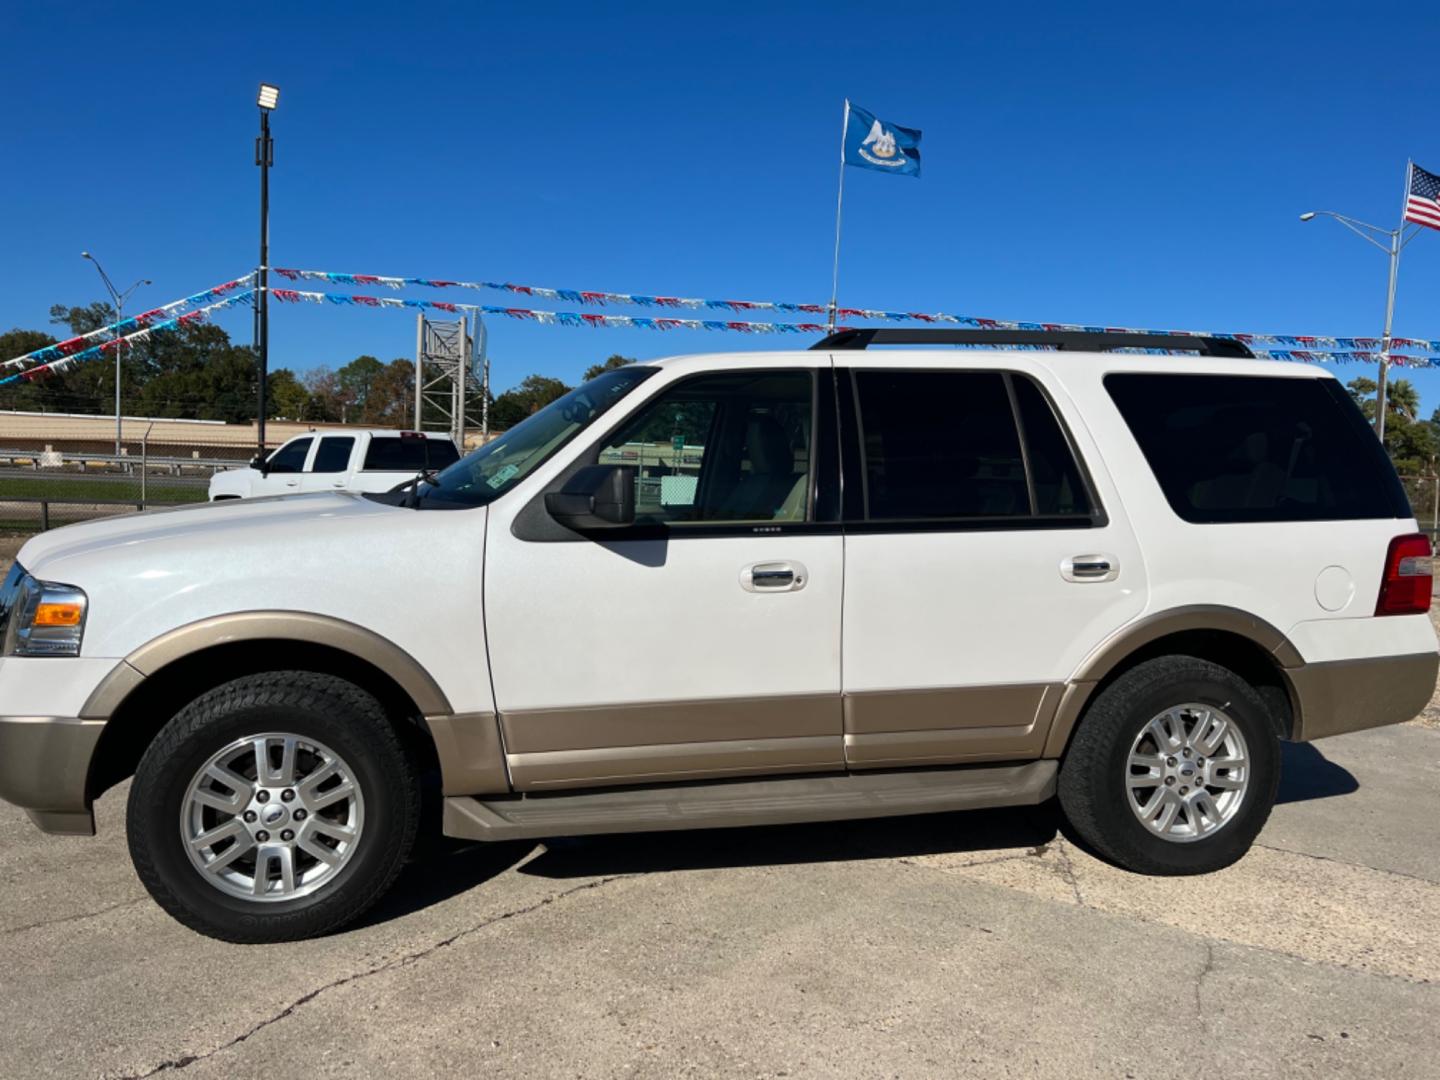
[727, 590]
[345, 460]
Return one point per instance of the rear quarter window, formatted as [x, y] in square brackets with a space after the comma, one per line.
[392, 453]
[1248, 448]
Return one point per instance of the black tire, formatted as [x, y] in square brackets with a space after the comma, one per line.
[1095, 798]
[329, 710]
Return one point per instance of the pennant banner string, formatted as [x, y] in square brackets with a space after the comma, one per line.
[1301, 342]
[576, 318]
[107, 348]
[75, 345]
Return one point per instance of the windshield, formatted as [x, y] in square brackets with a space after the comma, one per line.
[487, 473]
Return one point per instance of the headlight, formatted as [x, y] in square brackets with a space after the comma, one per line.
[45, 618]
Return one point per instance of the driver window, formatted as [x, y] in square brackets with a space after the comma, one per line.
[726, 447]
[290, 458]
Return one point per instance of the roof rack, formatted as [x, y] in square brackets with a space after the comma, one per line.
[1076, 340]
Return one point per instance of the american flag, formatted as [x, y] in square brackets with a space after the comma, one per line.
[1422, 202]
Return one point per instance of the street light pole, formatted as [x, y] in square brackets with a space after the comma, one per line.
[118, 299]
[268, 98]
[1395, 241]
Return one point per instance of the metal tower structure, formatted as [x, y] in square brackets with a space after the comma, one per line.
[452, 373]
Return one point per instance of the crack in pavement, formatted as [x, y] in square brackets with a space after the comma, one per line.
[186, 1060]
[74, 918]
[1351, 865]
[1067, 871]
[1200, 982]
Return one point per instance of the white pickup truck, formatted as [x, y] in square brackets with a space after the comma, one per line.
[363, 461]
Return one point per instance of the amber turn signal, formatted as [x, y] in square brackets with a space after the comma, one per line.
[58, 614]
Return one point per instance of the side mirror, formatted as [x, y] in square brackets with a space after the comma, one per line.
[261, 463]
[596, 497]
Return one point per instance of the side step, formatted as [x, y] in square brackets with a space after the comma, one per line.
[727, 804]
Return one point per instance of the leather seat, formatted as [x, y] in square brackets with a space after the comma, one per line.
[769, 490]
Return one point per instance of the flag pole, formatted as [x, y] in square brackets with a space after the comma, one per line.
[839, 204]
[1390, 308]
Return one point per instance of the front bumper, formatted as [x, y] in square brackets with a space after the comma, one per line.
[44, 767]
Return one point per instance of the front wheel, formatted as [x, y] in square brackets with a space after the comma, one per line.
[1173, 769]
[275, 807]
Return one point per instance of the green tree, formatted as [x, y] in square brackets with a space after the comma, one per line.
[614, 362]
[81, 320]
[285, 396]
[532, 395]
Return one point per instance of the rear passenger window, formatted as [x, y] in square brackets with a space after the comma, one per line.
[945, 445]
[334, 454]
[1059, 485]
[395, 453]
[1236, 448]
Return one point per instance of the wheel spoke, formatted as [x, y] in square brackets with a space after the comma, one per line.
[286, 855]
[331, 829]
[328, 856]
[1168, 813]
[230, 854]
[230, 779]
[226, 804]
[262, 870]
[1225, 781]
[1162, 729]
[1203, 808]
[1212, 736]
[306, 788]
[231, 828]
[332, 796]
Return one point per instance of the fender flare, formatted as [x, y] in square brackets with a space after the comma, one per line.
[1123, 643]
[299, 626]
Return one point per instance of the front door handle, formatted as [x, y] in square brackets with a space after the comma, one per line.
[773, 577]
[1096, 567]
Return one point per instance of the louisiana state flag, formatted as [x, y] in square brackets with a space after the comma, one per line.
[872, 143]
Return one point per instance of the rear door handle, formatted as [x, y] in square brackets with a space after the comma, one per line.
[1087, 568]
[773, 577]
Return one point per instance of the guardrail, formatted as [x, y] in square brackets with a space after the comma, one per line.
[39, 461]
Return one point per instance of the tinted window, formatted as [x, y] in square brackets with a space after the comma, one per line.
[1228, 448]
[940, 444]
[333, 455]
[727, 447]
[394, 453]
[290, 458]
[1059, 484]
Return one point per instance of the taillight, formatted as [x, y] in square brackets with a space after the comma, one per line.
[1405, 589]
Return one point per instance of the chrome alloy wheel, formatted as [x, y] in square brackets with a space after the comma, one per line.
[1187, 773]
[272, 817]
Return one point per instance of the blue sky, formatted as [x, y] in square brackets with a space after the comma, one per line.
[1138, 164]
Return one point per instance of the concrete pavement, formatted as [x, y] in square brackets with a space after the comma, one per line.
[984, 944]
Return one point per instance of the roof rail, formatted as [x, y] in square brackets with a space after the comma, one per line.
[1075, 340]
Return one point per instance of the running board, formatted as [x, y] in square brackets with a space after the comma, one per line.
[727, 804]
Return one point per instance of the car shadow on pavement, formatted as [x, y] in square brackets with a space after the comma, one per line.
[449, 868]
[1020, 829]
[1306, 774]
[440, 871]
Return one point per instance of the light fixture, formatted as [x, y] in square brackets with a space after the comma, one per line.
[269, 96]
[1309, 214]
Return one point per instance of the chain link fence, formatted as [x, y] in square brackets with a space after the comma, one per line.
[47, 482]
[1424, 493]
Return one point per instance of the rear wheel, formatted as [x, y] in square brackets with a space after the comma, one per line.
[1173, 769]
[277, 806]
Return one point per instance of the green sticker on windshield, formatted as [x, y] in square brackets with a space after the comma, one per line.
[502, 476]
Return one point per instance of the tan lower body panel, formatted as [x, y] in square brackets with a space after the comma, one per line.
[671, 740]
[1352, 695]
[472, 761]
[950, 725]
